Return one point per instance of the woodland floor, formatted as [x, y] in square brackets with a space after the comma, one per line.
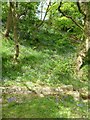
[43, 84]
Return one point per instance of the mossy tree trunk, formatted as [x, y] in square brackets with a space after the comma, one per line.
[83, 55]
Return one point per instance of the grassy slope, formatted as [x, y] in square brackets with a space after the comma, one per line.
[46, 63]
[50, 62]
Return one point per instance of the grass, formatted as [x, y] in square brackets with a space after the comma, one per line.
[46, 107]
[43, 64]
[51, 62]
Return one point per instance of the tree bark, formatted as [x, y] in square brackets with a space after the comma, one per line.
[9, 21]
[86, 45]
[14, 16]
[87, 26]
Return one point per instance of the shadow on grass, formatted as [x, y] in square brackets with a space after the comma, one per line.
[52, 42]
[11, 71]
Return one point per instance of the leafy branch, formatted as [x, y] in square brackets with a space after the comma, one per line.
[59, 9]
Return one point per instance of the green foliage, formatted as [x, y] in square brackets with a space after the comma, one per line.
[27, 19]
[4, 12]
[47, 54]
[62, 23]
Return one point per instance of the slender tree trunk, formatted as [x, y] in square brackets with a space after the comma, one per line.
[14, 16]
[9, 21]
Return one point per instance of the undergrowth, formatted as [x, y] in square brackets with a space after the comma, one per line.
[41, 62]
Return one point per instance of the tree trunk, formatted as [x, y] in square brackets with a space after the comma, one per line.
[86, 46]
[9, 21]
[14, 16]
[87, 26]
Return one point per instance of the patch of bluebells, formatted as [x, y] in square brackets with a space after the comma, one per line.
[11, 99]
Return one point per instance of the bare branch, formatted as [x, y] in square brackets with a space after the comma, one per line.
[45, 14]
